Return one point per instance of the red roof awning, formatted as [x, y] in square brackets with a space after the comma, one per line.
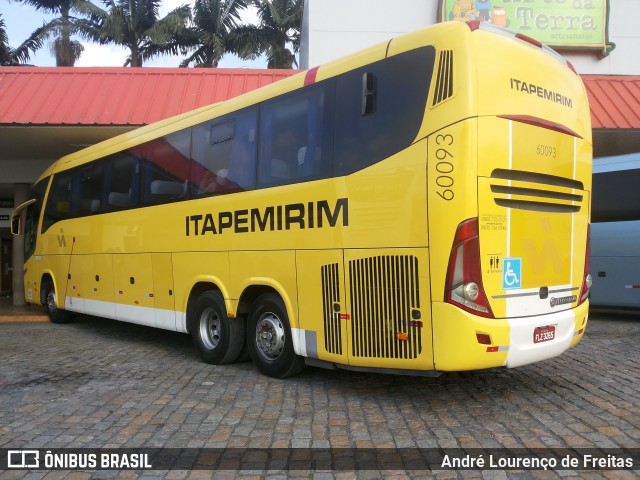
[118, 96]
[137, 96]
[614, 101]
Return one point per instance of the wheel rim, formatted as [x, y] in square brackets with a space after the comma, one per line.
[210, 328]
[51, 302]
[270, 336]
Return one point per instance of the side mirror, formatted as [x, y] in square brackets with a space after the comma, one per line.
[16, 217]
[16, 224]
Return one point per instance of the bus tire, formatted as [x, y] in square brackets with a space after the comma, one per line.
[217, 338]
[269, 338]
[56, 315]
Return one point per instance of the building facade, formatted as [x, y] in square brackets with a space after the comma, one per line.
[600, 37]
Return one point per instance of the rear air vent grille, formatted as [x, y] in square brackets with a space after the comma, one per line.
[537, 206]
[331, 297]
[535, 196]
[385, 303]
[444, 81]
[532, 177]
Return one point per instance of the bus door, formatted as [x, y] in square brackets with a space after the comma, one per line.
[163, 296]
[143, 289]
[389, 313]
[322, 314]
[97, 274]
[367, 309]
[76, 289]
[133, 287]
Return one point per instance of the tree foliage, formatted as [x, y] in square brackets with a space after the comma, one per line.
[280, 25]
[22, 53]
[212, 33]
[203, 34]
[135, 24]
[61, 28]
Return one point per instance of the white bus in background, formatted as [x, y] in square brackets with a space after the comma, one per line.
[615, 232]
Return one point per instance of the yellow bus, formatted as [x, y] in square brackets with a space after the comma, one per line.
[420, 206]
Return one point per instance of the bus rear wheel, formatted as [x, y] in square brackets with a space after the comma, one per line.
[269, 338]
[217, 338]
[56, 315]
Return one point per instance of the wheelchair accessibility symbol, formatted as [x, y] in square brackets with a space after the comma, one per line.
[511, 273]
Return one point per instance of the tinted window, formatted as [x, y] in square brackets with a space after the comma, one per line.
[395, 109]
[296, 137]
[87, 187]
[166, 167]
[616, 196]
[59, 200]
[122, 184]
[224, 154]
[33, 216]
[375, 111]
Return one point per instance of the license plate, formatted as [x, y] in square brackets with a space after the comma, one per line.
[544, 334]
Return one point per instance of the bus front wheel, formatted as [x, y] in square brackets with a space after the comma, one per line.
[217, 338]
[269, 338]
[56, 315]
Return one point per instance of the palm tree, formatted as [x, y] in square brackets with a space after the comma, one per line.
[214, 23]
[21, 54]
[280, 24]
[135, 25]
[66, 50]
[5, 49]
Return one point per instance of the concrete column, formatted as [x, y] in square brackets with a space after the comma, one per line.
[20, 195]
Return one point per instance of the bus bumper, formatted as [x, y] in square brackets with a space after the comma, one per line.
[569, 328]
[457, 337]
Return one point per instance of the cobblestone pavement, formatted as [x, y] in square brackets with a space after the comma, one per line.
[97, 383]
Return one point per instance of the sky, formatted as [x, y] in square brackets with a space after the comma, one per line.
[21, 20]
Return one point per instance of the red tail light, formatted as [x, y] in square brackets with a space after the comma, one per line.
[586, 280]
[464, 276]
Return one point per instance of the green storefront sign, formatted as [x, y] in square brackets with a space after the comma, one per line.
[562, 24]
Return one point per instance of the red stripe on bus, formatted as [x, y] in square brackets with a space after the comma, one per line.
[540, 122]
[310, 77]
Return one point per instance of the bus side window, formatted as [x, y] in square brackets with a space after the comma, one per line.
[59, 201]
[373, 125]
[165, 167]
[615, 196]
[87, 186]
[121, 181]
[296, 137]
[223, 154]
